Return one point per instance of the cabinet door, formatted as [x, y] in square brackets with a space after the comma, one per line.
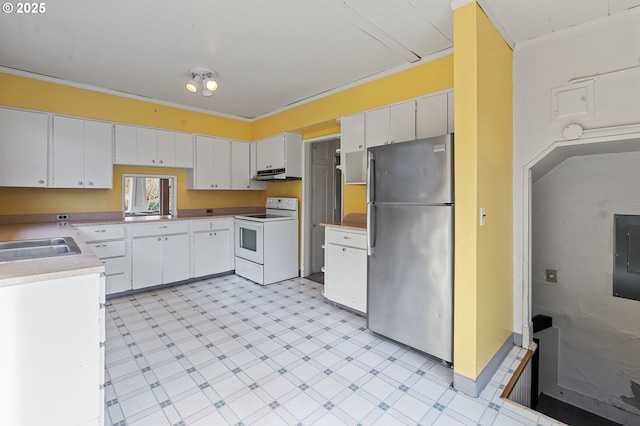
[98, 154]
[352, 133]
[125, 144]
[240, 165]
[184, 150]
[146, 146]
[68, 152]
[203, 248]
[270, 153]
[175, 258]
[402, 122]
[253, 153]
[221, 250]
[146, 260]
[165, 148]
[204, 163]
[345, 276]
[221, 163]
[377, 127]
[23, 148]
[431, 116]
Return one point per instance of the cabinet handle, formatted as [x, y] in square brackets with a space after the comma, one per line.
[344, 249]
[153, 161]
[159, 238]
[100, 230]
[346, 238]
[166, 238]
[212, 185]
[80, 183]
[210, 234]
[359, 146]
[161, 162]
[101, 245]
[90, 183]
[40, 181]
[163, 227]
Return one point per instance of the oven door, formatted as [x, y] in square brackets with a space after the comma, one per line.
[249, 240]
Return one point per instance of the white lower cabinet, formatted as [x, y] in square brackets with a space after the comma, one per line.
[345, 268]
[52, 357]
[159, 254]
[108, 243]
[212, 247]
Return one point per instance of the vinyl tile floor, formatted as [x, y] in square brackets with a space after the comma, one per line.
[226, 351]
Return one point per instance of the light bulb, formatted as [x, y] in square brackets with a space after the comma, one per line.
[210, 84]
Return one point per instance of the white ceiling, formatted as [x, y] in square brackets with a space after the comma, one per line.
[268, 54]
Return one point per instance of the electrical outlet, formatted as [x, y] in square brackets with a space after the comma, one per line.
[209, 211]
[62, 217]
[551, 275]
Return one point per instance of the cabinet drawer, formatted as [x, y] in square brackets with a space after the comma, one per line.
[108, 249]
[117, 284]
[348, 239]
[113, 266]
[211, 225]
[101, 233]
[160, 228]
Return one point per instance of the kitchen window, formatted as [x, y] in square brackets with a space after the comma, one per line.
[148, 195]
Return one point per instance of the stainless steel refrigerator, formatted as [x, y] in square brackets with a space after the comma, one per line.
[410, 238]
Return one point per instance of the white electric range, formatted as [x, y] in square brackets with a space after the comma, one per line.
[266, 244]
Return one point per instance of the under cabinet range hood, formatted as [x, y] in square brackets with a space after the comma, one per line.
[274, 175]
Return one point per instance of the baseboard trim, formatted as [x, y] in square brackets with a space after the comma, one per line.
[474, 387]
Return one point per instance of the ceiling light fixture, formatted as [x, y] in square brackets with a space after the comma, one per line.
[202, 80]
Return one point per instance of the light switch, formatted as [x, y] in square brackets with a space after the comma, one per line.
[483, 216]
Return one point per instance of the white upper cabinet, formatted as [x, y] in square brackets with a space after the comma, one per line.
[144, 146]
[432, 115]
[221, 163]
[125, 144]
[352, 133]
[240, 169]
[184, 150]
[395, 123]
[271, 153]
[212, 166]
[81, 153]
[283, 151]
[253, 168]
[23, 148]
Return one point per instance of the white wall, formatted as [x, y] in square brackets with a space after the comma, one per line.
[572, 232]
[609, 45]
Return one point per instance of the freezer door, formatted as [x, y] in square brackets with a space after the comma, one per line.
[418, 172]
[410, 270]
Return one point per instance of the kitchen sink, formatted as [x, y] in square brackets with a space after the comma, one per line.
[37, 249]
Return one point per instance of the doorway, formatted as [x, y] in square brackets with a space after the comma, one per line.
[324, 186]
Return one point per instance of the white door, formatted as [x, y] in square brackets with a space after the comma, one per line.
[24, 163]
[221, 163]
[98, 164]
[431, 116]
[352, 133]
[175, 258]
[402, 122]
[146, 260]
[68, 152]
[184, 150]
[203, 248]
[145, 146]
[165, 148]
[222, 259]
[271, 153]
[204, 162]
[125, 144]
[240, 165]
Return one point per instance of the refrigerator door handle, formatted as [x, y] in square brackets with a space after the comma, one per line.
[370, 177]
[371, 226]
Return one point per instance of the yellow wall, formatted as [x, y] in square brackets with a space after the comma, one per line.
[21, 92]
[483, 162]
